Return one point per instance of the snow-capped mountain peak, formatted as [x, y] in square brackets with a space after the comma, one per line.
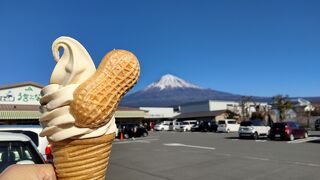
[169, 81]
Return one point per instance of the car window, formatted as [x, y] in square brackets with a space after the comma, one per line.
[193, 122]
[297, 125]
[292, 124]
[14, 151]
[257, 122]
[221, 122]
[232, 122]
[279, 125]
[185, 123]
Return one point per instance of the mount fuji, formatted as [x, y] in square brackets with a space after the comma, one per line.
[171, 91]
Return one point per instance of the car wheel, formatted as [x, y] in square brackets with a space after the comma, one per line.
[145, 134]
[306, 135]
[162, 129]
[255, 136]
[291, 137]
[228, 130]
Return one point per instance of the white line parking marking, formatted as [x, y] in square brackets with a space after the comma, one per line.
[261, 140]
[135, 141]
[307, 164]
[303, 140]
[257, 158]
[185, 145]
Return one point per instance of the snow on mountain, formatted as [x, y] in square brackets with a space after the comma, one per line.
[169, 81]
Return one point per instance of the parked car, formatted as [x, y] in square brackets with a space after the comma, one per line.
[177, 125]
[288, 130]
[17, 148]
[133, 130]
[204, 126]
[228, 125]
[317, 125]
[186, 125]
[164, 126]
[253, 129]
[32, 131]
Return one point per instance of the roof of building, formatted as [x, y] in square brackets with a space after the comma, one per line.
[122, 108]
[200, 114]
[15, 85]
[20, 114]
[11, 111]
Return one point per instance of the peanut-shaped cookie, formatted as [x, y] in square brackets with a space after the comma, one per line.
[96, 99]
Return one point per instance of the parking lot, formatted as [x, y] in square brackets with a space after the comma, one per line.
[203, 156]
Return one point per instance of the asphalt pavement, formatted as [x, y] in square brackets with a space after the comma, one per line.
[206, 156]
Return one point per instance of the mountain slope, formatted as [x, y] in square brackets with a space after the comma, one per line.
[171, 90]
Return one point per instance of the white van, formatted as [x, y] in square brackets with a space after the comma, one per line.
[187, 124]
[228, 125]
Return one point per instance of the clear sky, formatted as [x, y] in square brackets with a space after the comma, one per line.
[249, 47]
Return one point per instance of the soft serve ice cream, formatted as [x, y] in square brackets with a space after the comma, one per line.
[74, 67]
[78, 108]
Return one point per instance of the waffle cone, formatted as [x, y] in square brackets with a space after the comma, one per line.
[83, 158]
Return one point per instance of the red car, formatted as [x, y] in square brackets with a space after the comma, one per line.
[288, 130]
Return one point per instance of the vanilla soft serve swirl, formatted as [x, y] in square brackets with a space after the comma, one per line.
[73, 68]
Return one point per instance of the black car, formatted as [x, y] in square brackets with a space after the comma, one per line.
[317, 124]
[204, 126]
[132, 130]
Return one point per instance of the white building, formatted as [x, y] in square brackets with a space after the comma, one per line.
[217, 105]
[159, 112]
[211, 105]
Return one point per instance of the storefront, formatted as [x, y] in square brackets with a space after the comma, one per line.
[19, 104]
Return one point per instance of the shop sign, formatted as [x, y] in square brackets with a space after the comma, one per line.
[28, 95]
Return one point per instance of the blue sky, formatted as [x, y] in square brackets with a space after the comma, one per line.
[255, 47]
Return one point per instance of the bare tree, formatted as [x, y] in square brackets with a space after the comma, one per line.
[282, 104]
[245, 107]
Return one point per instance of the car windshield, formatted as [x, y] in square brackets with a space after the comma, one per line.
[222, 122]
[257, 122]
[246, 123]
[12, 152]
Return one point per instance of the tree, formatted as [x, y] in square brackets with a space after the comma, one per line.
[282, 104]
[231, 115]
[245, 106]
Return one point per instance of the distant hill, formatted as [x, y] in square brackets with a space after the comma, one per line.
[172, 91]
